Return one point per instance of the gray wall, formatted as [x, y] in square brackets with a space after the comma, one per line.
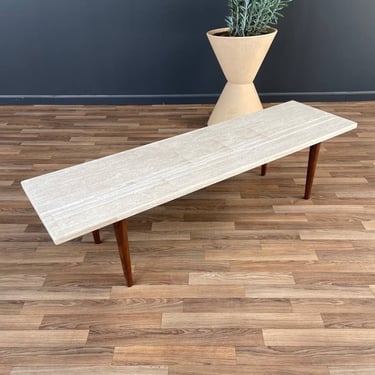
[133, 51]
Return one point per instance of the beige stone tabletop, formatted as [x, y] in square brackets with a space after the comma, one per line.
[77, 200]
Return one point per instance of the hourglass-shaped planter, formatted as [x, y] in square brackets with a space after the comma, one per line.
[240, 59]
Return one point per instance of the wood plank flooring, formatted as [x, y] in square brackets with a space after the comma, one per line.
[244, 277]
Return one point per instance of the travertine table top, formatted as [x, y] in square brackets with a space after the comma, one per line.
[77, 200]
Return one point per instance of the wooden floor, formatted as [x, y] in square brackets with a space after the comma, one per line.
[244, 277]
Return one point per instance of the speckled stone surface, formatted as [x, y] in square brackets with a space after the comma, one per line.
[77, 200]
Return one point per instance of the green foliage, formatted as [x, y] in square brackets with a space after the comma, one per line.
[253, 17]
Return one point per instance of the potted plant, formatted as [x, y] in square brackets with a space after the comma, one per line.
[240, 49]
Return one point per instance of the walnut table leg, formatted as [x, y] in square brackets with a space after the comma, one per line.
[121, 232]
[264, 170]
[96, 235]
[313, 161]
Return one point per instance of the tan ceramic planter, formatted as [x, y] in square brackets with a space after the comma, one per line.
[240, 59]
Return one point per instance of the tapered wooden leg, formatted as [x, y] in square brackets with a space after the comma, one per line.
[96, 235]
[121, 232]
[313, 161]
[264, 170]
